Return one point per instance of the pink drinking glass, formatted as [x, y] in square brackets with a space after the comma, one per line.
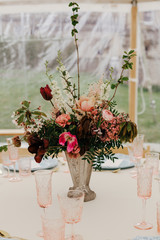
[44, 190]
[53, 227]
[137, 148]
[152, 159]
[13, 157]
[71, 206]
[144, 190]
[6, 162]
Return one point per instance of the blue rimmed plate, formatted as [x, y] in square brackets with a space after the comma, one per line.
[123, 162]
[45, 164]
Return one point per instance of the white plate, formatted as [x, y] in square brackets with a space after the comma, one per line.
[123, 162]
[45, 164]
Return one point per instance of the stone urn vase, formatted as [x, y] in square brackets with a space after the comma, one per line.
[80, 171]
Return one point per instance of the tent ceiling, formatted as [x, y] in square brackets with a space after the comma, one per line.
[13, 2]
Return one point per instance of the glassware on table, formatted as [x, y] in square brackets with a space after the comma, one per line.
[53, 226]
[138, 148]
[71, 206]
[24, 165]
[13, 157]
[152, 159]
[144, 190]
[158, 217]
[6, 162]
[44, 190]
[137, 151]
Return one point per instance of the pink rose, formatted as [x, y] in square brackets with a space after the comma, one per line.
[107, 115]
[86, 104]
[63, 120]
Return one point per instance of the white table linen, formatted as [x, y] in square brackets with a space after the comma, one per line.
[110, 216]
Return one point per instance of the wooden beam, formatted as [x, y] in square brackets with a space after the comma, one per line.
[133, 72]
[11, 132]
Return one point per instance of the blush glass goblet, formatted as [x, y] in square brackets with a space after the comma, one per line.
[13, 157]
[144, 191]
[137, 151]
[71, 206]
[138, 147]
[6, 162]
[44, 190]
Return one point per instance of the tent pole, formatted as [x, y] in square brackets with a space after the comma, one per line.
[133, 72]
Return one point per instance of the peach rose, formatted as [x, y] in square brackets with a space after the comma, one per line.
[86, 104]
[107, 115]
[63, 120]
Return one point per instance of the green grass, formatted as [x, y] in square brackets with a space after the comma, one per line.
[17, 87]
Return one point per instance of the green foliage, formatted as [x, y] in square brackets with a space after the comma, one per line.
[70, 87]
[101, 151]
[74, 17]
[4, 148]
[126, 65]
[26, 117]
[128, 131]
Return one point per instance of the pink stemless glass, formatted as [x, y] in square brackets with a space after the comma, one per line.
[144, 190]
[158, 217]
[13, 157]
[44, 190]
[53, 228]
[71, 205]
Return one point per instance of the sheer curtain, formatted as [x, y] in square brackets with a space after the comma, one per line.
[28, 39]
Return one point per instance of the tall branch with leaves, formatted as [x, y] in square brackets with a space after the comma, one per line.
[74, 20]
[69, 87]
[127, 65]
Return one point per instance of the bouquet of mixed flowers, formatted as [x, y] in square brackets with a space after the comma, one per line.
[87, 125]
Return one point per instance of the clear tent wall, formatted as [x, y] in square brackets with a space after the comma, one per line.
[31, 34]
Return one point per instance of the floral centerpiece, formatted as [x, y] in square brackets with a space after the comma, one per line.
[87, 127]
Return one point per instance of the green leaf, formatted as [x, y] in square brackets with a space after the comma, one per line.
[74, 22]
[20, 119]
[75, 9]
[20, 110]
[75, 15]
[4, 148]
[113, 86]
[125, 78]
[70, 4]
[39, 113]
[26, 103]
[131, 51]
[133, 55]
[129, 127]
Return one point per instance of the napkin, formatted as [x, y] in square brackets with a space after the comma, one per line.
[147, 238]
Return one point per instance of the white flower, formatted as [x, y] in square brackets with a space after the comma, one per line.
[105, 91]
[58, 99]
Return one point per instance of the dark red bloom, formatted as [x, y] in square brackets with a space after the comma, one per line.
[16, 141]
[37, 146]
[46, 93]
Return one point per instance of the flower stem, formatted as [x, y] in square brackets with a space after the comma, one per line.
[78, 74]
[52, 103]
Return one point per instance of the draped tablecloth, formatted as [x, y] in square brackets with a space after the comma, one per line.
[110, 216]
